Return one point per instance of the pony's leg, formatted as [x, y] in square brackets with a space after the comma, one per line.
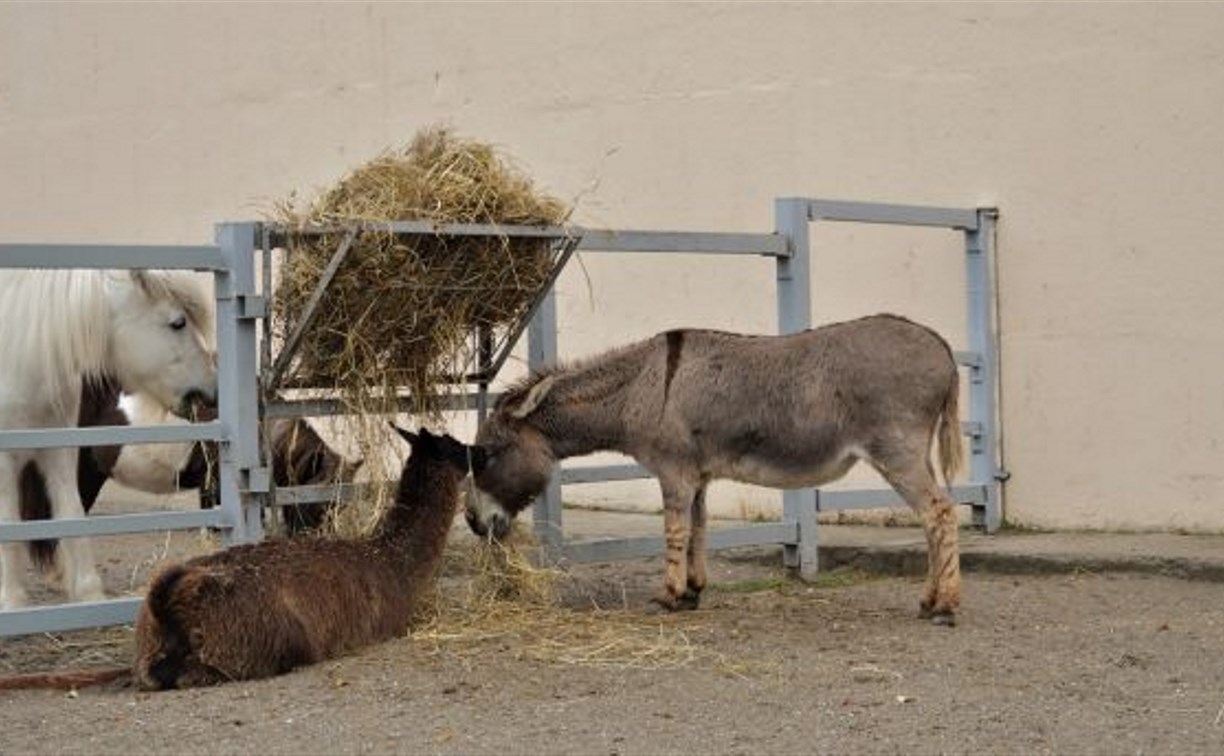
[678, 497]
[81, 580]
[914, 479]
[697, 544]
[12, 555]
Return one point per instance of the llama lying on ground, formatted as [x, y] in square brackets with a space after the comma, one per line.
[262, 609]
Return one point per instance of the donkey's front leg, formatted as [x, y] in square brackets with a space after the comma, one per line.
[677, 504]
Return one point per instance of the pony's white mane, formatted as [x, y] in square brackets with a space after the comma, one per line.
[56, 325]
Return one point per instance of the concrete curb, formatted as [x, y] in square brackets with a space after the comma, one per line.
[896, 560]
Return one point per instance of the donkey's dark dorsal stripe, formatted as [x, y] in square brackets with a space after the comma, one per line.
[675, 342]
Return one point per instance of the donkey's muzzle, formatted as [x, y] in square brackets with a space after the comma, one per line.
[496, 527]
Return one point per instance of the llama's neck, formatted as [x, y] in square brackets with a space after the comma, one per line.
[420, 519]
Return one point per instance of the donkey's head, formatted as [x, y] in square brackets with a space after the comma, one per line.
[514, 462]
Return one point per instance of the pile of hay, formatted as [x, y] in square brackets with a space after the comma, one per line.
[403, 312]
[492, 597]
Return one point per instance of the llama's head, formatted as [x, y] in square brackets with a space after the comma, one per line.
[433, 450]
[514, 462]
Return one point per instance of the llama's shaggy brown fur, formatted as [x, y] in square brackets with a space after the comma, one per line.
[262, 609]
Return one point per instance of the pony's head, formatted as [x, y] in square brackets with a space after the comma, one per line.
[161, 343]
[512, 461]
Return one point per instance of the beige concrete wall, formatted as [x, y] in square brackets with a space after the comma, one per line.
[1094, 127]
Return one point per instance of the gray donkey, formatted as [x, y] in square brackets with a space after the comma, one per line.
[788, 411]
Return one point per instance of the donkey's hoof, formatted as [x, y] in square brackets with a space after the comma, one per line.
[945, 618]
[665, 602]
[689, 600]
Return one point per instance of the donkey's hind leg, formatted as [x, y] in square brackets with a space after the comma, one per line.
[678, 498]
[80, 573]
[913, 478]
[697, 547]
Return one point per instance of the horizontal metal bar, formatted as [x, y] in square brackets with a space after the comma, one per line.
[111, 256]
[968, 359]
[109, 435]
[592, 474]
[596, 240]
[287, 496]
[423, 228]
[52, 619]
[106, 525]
[326, 407]
[592, 240]
[717, 538]
[908, 215]
[829, 501]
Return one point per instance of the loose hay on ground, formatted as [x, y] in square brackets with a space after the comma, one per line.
[495, 595]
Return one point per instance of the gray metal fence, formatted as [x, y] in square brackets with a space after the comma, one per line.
[789, 246]
[238, 306]
[242, 304]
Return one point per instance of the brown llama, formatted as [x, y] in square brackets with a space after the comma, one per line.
[262, 609]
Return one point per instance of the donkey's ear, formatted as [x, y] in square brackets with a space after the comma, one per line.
[535, 397]
[408, 436]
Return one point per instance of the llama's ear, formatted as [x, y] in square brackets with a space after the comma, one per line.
[408, 436]
[535, 397]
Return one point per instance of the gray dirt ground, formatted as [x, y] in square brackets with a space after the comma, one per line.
[1071, 662]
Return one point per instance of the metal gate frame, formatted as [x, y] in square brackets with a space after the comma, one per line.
[242, 481]
[790, 246]
[245, 485]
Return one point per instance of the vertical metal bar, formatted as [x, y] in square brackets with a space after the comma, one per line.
[266, 392]
[485, 349]
[983, 377]
[794, 274]
[541, 351]
[238, 392]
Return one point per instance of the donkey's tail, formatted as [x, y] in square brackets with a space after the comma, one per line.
[34, 503]
[950, 451]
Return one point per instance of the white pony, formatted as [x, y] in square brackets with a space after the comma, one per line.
[151, 331]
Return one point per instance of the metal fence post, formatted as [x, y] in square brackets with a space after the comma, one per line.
[794, 276]
[983, 377]
[542, 351]
[243, 482]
